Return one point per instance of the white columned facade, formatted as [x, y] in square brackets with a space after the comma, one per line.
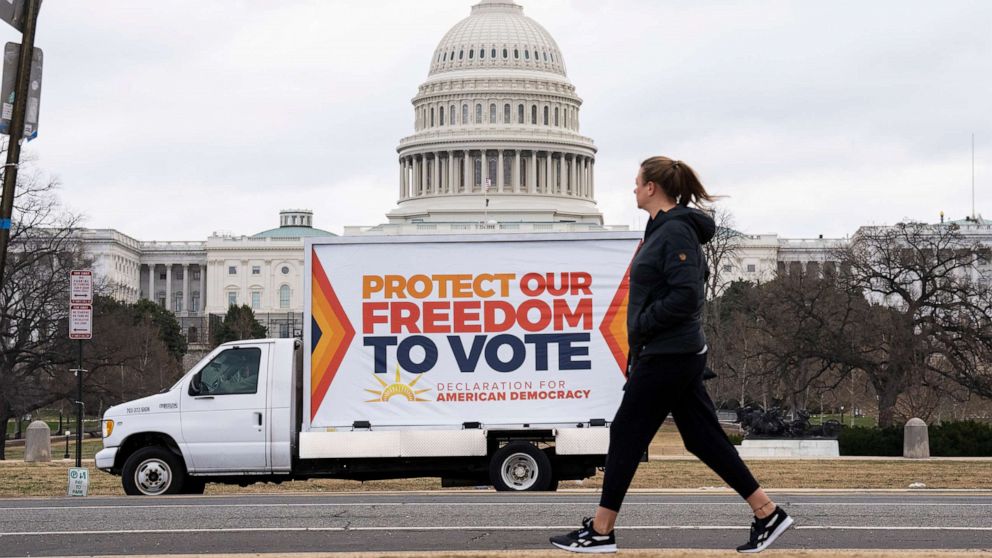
[186, 294]
[532, 173]
[499, 171]
[168, 287]
[515, 170]
[203, 289]
[484, 160]
[150, 293]
[543, 187]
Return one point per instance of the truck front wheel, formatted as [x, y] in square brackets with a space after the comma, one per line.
[520, 466]
[153, 471]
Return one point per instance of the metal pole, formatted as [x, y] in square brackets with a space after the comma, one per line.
[79, 408]
[17, 128]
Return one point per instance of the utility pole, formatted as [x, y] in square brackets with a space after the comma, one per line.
[17, 128]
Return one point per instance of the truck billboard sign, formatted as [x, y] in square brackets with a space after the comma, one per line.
[441, 330]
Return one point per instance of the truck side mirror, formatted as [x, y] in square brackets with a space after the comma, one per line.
[194, 385]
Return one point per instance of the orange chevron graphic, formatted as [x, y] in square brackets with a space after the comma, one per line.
[332, 334]
[614, 326]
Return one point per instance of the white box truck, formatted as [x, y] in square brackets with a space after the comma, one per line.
[477, 359]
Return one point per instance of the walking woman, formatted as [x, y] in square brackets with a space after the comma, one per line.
[667, 359]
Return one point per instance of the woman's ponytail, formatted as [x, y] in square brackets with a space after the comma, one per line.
[676, 179]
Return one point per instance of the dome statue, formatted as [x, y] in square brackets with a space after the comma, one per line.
[496, 129]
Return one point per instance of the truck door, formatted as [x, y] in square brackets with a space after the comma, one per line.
[224, 412]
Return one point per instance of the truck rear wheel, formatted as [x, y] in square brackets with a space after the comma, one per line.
[153, 471]
[520, 466]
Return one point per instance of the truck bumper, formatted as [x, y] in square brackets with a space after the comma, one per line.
[105, 459]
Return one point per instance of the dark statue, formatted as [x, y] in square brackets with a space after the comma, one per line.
[759, 423]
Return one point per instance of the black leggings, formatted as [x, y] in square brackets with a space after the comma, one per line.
[659, 385]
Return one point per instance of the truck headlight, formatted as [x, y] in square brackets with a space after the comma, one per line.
[108, 428]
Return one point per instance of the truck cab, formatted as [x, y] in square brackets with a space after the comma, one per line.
[230, 415]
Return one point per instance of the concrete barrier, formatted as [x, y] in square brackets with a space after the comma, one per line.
[915, 439]
[38, 445]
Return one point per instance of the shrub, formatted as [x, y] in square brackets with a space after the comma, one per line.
[871, 441]
[735, 439]
[965, 438]
[950, 439]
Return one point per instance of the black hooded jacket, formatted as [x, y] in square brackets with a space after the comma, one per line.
[667, 277]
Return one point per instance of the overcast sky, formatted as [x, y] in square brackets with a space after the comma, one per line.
[168, 120]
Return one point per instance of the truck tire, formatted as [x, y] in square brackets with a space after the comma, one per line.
[153, 471]
[520, 466]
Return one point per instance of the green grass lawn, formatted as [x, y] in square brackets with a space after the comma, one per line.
[90, 447]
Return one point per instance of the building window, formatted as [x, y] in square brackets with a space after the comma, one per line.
[284, 296]
[524, 161]
[478, 172]
[533, 114]
[492, 163]
[507, 170]
[178, 302]
[526, 54]
[750, 268]
[461, 54]
[179, 273]
[516, 54]
[464, 114]
[520, 114]
[232, 298]
[432, 117]
[192, 335]
[283, 330]
[478, 114]
[504, 53]
[195, 275]
[471, 54]
[545, 116]
[728, 268]
[492, 53]
[545, 55]
[194, 303]
[506, 113]
[482, 53]
[256, 300]
[445, 57]
[161, 276]
[441, 116]
[285, 270]
[452, 114]
[556, 116]
[256, 270]
[232, 270]
[492, 113]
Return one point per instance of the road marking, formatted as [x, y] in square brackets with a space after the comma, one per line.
[487, 504]
[471, 528]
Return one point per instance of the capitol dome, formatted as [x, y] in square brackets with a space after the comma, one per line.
[498, 35]
[496, 129]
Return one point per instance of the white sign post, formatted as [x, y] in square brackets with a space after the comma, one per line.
[79, 481]
[80, 328]
[81, 304]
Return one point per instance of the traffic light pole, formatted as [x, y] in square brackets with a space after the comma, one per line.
[17, 128]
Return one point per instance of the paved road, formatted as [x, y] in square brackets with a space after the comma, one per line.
[475, 521]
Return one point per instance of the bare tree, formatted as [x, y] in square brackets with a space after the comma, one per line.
[34, 300]
[930, 308]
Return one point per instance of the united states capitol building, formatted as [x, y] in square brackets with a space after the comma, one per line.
[497, 147]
